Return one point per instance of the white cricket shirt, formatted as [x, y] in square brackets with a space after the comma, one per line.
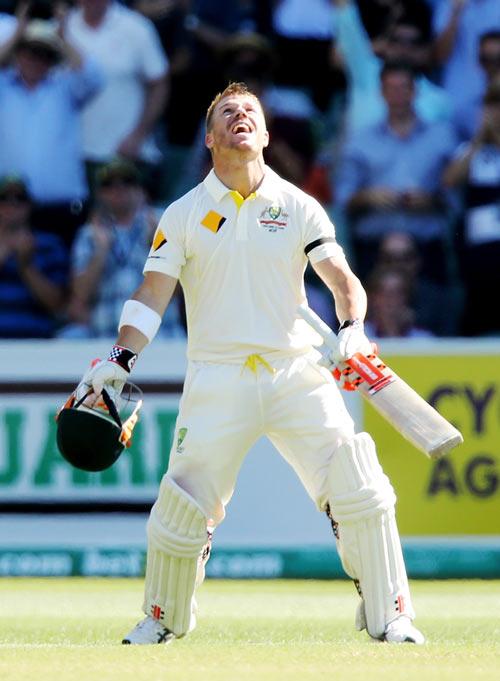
[127, 47]
[241, 265]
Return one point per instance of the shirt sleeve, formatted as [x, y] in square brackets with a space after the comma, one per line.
[82, 250]
[441, 16]
[167, 254]
[319, 237]
[154, 62]
[84, 83]
[362, 65]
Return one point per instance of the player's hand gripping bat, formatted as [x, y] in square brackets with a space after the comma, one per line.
[399, 404]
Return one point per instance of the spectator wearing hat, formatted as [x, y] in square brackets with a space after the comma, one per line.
[120, 121]
[108, 255]
[41, 97]
[33, 268]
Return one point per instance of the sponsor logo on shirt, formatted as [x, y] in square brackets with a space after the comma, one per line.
[159, 239]
[273, 219]
[213, 221]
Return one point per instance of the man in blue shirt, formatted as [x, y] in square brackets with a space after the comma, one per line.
[389, 176]
[363, 60]
[41, 96]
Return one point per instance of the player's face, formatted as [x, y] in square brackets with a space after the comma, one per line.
[238, 124]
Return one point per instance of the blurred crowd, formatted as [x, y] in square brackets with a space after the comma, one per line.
[387, 111]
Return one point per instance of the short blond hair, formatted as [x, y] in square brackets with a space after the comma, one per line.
[231, 90]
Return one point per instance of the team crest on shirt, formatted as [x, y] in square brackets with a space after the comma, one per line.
[180, 439]
[273, 218]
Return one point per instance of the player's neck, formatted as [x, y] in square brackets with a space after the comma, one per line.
[243, 177]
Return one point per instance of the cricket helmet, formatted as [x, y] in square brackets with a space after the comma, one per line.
[92, 439]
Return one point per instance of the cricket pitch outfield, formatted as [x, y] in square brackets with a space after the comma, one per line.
[69, 629]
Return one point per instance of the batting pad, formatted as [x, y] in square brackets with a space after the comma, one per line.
[177, 534]
[362, 502]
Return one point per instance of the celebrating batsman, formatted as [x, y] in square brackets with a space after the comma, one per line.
[239, 243]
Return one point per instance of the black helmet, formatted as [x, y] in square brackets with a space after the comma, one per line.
[90, 439]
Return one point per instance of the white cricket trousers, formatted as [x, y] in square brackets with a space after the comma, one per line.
[226, 408]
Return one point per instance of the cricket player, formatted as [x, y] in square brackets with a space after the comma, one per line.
[239, 244]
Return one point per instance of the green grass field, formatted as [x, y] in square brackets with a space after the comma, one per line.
[69, 629]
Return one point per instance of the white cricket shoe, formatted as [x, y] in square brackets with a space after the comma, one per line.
[401, 630]
[148, 631]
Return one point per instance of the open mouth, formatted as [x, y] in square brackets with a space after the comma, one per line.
[240, 128]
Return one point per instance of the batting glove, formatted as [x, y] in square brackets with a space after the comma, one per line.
[350, 340]
[111, 375]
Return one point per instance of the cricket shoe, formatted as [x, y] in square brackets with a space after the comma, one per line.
[149, 631]
[401, 630]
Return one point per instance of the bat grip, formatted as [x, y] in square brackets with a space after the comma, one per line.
[319, 326]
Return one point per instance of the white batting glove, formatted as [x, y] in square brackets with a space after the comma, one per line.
[350, 340]
[111, 375]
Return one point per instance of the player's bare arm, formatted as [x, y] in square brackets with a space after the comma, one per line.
[349, 294]
[350, 304]
[139, 322]
[154, 293]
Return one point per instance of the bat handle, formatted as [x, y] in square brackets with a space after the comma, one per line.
[319, 326]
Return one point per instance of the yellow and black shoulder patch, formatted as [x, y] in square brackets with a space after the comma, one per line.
[159, 239]
[213, 221]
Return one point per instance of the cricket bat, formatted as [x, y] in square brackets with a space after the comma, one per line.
[399, 404]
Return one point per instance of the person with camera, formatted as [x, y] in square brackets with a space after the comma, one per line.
[45, 83]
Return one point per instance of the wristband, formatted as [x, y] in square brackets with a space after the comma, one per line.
[123, 357]
[140, 316]
[356, 323]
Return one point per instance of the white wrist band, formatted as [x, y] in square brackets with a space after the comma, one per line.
[141, 317]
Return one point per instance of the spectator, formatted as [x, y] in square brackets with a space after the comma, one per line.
[363, 60]
[304, 36]
[458, 25]
[33, 269]
[41, 97]
[109, 253]
[389, 177]
[390, 314]
[207, 26]
[380, 15]
[120, 121]
[476, 170]
[399, 251]
[468, 117]
[168, 18]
